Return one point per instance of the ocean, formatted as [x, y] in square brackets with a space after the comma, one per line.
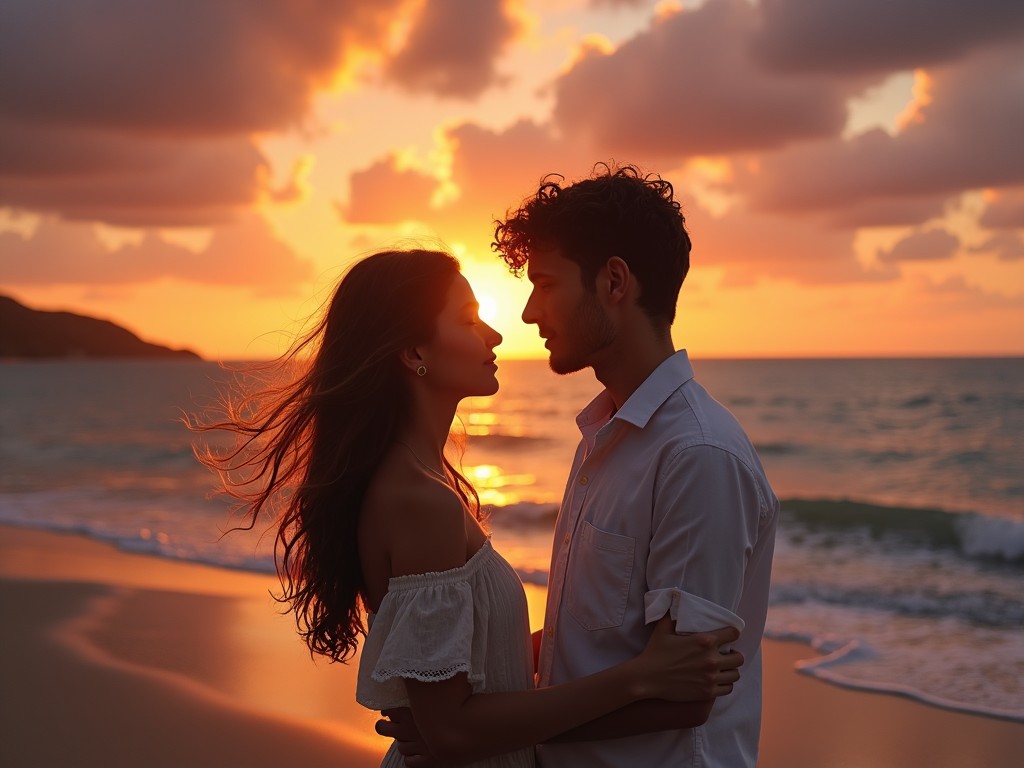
[900, 553]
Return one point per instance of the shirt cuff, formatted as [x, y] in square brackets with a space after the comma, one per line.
[690, 612]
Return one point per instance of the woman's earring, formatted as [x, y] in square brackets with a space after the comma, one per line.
[421, 371]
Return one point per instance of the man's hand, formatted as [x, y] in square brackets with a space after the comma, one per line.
[401, 727]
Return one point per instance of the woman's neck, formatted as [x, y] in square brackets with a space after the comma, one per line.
[427, 431]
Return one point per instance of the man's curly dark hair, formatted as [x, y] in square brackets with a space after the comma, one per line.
[617, 211]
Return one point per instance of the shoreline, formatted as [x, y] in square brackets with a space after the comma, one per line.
[112, 658]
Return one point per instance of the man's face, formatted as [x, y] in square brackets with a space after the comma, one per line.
[569, 317]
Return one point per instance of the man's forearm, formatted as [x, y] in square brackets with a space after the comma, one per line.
[641, 717]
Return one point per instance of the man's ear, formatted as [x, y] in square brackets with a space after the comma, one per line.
[411, 358]
[620, 279]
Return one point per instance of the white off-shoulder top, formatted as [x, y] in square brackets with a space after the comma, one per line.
[432, 626]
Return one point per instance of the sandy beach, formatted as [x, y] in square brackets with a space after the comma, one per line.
[113, 659]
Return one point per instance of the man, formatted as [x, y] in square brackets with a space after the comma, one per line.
[667, 509]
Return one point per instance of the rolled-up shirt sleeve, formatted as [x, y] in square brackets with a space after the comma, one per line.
[706, 514]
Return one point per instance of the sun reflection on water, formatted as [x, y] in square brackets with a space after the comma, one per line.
[496, 487]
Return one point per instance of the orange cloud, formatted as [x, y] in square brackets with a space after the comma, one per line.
[246, 253]
[384, 193]
[490, 171]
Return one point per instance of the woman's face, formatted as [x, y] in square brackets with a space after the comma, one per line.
[460, 357]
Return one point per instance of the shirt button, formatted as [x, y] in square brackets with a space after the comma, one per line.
[549, 631]
[583, 479]
[566, 539]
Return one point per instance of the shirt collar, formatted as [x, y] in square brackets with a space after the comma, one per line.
[673, 372]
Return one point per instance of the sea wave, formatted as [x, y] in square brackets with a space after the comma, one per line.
[972, 535]
[978, 608]
[846, 662]
[524, 514]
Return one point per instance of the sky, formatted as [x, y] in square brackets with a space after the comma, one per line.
[851, 171]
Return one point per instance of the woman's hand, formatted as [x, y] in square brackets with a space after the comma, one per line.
[398, 724]
[690, 667]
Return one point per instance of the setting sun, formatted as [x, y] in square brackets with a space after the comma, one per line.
[488, 308]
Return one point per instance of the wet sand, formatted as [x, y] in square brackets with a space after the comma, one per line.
[113, 659]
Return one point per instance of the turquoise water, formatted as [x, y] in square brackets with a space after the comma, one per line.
[901, 547]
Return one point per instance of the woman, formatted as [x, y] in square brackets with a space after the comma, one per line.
[374, 518]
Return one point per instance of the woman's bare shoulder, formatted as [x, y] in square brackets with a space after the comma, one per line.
[419, 520]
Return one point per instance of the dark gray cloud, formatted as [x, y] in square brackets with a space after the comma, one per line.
[176, 68]
[1006, 211]
[690, 85]
[751, 246]
[453, 48]
[885, 211]
[928, 245]
[142, 112]
[878, 36]
[1005, 246]
[127, 179]
[619, 3]
[967, 137]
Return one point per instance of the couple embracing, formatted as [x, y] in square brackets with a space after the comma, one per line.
[660, 566]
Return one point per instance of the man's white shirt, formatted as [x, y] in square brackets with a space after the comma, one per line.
[667, 510]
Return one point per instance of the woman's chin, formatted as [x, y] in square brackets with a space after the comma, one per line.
[491, 388]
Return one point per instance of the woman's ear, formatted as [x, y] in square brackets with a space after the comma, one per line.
[411, 358]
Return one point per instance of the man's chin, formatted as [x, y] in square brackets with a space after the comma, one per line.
[563, 366]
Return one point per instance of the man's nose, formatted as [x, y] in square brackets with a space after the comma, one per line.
[530, 314]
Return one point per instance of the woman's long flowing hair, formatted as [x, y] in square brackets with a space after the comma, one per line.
[310, 437]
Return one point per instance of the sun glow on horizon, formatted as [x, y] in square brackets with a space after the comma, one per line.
[488, 310]
[501, 298]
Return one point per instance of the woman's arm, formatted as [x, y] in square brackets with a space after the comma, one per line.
[459, 726]
[647, 716]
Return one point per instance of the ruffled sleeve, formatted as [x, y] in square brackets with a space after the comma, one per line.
[427, 629]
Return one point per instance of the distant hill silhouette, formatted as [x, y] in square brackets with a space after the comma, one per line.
[32, 333]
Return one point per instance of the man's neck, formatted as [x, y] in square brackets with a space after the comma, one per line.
[625, 365]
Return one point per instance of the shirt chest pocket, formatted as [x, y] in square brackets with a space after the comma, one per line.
[597, 583]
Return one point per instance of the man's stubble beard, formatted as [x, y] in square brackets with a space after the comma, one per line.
[591, 333]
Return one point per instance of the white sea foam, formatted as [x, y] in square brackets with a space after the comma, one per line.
[874, 651]
[992, 537]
